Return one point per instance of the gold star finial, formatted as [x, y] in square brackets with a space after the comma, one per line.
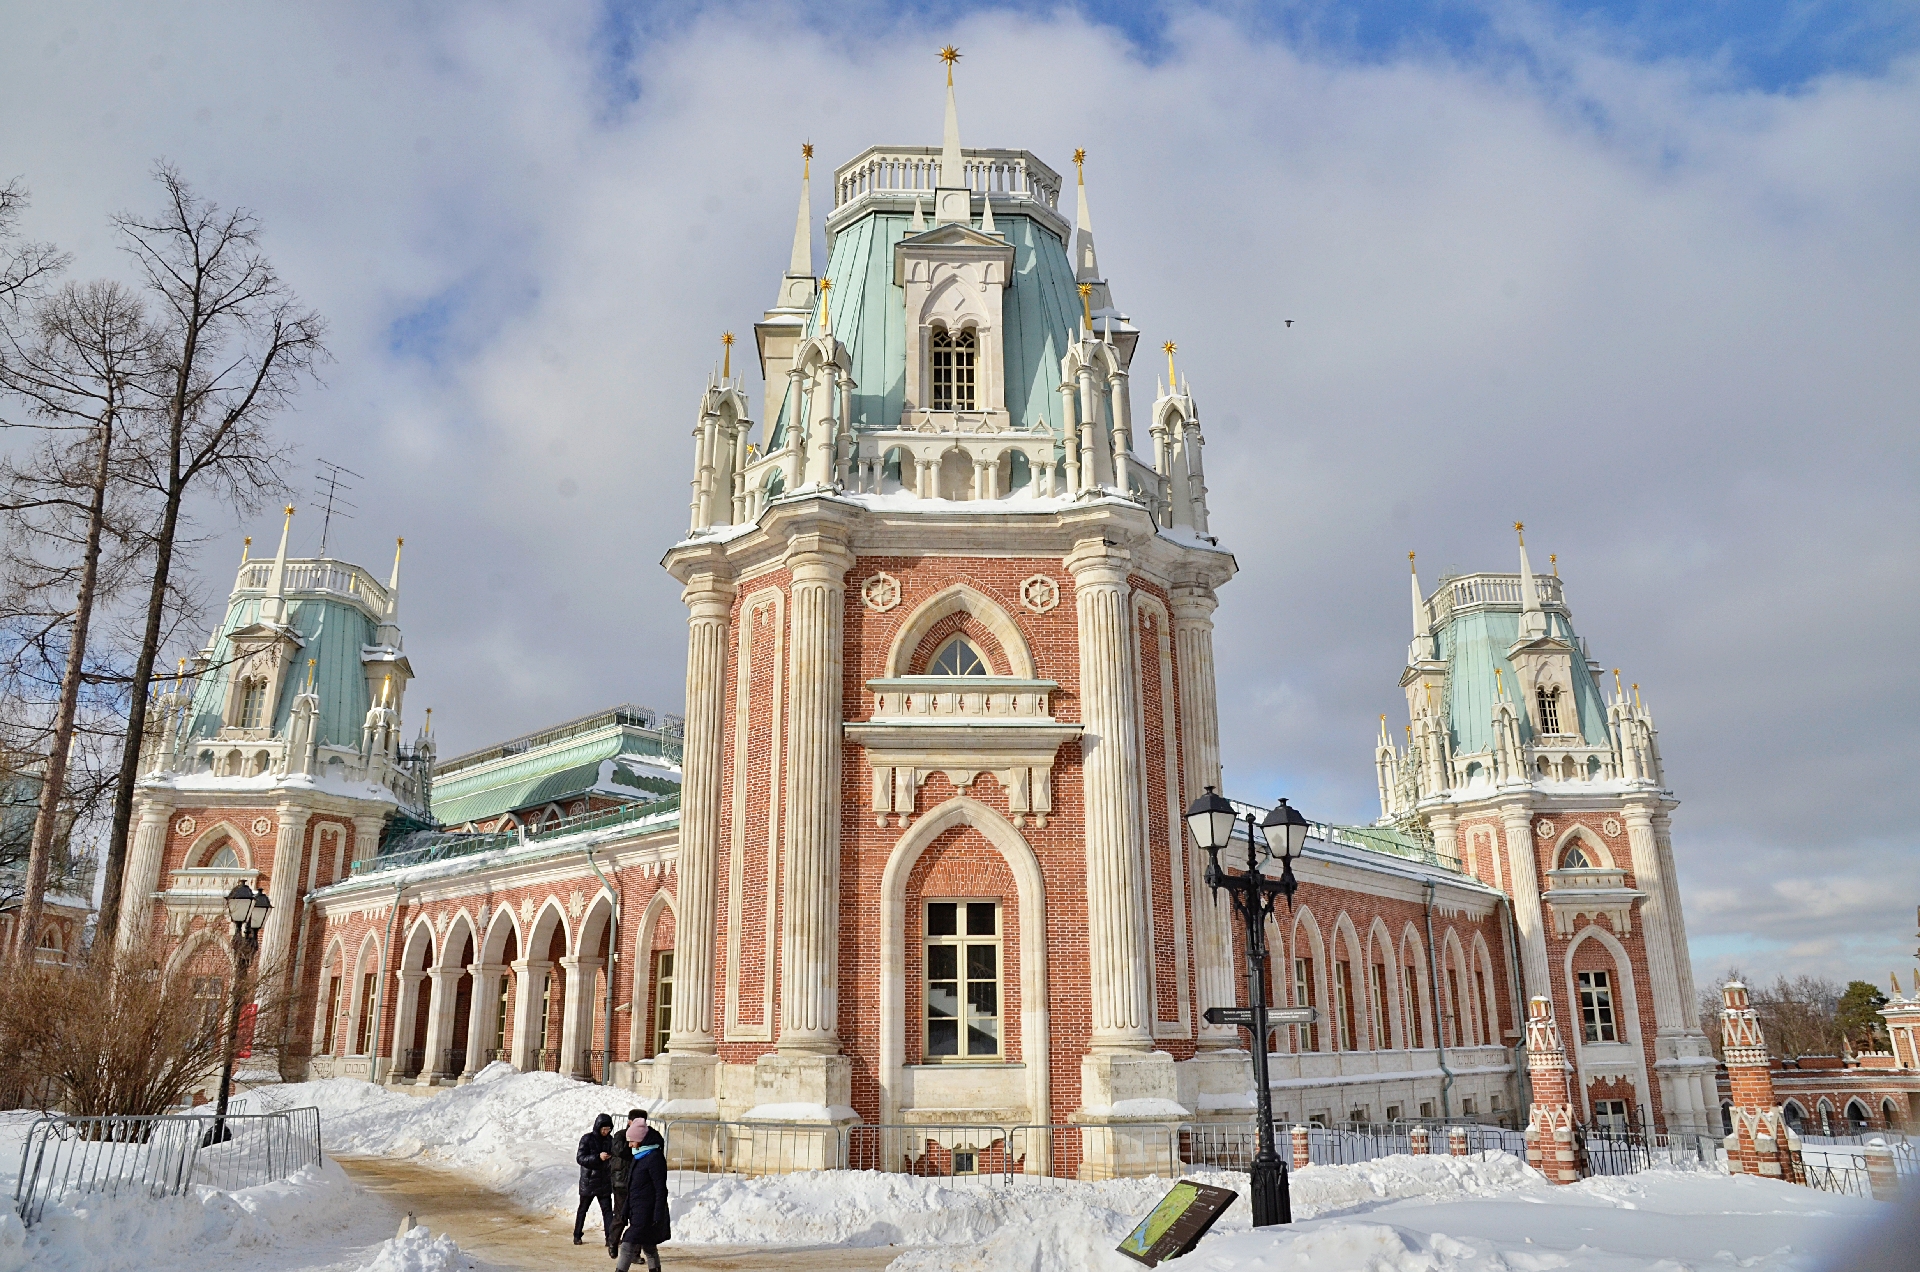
[826, 285]
[1172, 383]
[1079, 162]
[1520, 528]
[949, 55]
[1554, 560]
[1086, 306]
[289, 510]
[806, 160]
[1409, 562]
[726, 355]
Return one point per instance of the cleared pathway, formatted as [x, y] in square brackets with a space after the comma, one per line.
[501, 1235]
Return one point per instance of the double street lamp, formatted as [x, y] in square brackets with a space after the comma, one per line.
[1241, 872]
[247, 910]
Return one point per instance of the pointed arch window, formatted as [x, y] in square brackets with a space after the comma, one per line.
[958, 658]
[253, 703]
[224, 858]
[1548, 701]
[953, 366]
[1576, 859]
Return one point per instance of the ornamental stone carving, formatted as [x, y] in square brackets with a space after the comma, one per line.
[1039, 593]
[880, 593]
[1611, 826]
[185, 826]
[261, 825]
[1544, 830]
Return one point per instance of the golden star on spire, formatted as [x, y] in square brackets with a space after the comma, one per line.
[1173, 386]
[949, 55]
[806, 159]
[1079, 156]
[726, 351]
[1520, 528]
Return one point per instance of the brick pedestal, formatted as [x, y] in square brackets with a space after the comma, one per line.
[1421, 1143]
[1301, 1153]
[1758, 1143]
[1551, 1149]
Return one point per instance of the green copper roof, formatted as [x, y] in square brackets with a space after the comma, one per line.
[549, 774]
[332, 633]
[1473, 645]
[1038, 313]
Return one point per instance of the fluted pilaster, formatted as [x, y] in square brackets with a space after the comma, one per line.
[1116, 890]
[1193, 608]
[1517, 826]
[1655, 932]
[143, 875]
[1676, 919]
[283, 889]
[709, 600]
[810, 915]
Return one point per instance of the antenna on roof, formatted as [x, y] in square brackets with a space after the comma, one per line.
[329, 484]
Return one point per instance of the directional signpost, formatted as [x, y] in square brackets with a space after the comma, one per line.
[1243, 1016]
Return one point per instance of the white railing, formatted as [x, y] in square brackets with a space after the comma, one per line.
[1473, 590]
[916, 169]
[928, 697]
[334, 577]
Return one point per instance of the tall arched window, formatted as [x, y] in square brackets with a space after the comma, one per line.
[1576, 858]
[957, 658]
[1549, 702]
[953, 358]
[253, 703]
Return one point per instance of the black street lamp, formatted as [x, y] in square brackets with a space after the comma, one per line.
[1211, 821]
[247, 910]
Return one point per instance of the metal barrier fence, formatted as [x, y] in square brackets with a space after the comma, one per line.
[975, 1152]
[160, 1156]
[1852, 1180]
[1611, 1150]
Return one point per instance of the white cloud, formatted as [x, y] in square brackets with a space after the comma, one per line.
[1667, 325]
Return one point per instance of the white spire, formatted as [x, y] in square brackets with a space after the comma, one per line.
[1086, 266]
[951, 173]
[801, 266]
[389, 633]
[274, 608]
[1419, 602]
[1533, 623]
[919, 221]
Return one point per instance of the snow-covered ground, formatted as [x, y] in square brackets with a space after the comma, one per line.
[515, 1134]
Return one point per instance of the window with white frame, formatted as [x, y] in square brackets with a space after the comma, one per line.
[1549, 703]
[962, 1011]
[662, 1000]
[1610, 1117]
[1596, 1006]
[1303, 996]
[957, 658]
[953, 366]
[253, 704]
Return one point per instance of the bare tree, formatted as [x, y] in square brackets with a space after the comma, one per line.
[23, 266]
[169, 1031]
[87, 350]
[233, 346]
[1800, 1017]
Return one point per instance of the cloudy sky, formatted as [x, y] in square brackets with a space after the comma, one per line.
[1643, 276]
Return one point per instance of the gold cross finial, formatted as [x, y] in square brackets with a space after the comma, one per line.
[949, 55]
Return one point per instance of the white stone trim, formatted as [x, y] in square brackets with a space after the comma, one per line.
[1035, 1042]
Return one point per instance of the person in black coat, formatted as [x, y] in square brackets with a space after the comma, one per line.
[617, 1169]
[648, 1224]
[596, 1181]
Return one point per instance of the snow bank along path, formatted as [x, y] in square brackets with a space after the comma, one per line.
[515, 1133]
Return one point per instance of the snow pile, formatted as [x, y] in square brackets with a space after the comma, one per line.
[417, 1250]
[1509, 1221]
[512, 1132]
[95, 1233]
[819, 1208]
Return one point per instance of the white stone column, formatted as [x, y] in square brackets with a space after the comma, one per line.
[283, 887]
[1676, 919]
[405, 1011]
[1116, 894]
[440, 1021]
[366, 837]
[709, 600]
[143, 875]
[576, 1027]
[481, 1013]
[810, 911]
[1516, 823]
[532, 975]
[1193, 606]
[1655, 933]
